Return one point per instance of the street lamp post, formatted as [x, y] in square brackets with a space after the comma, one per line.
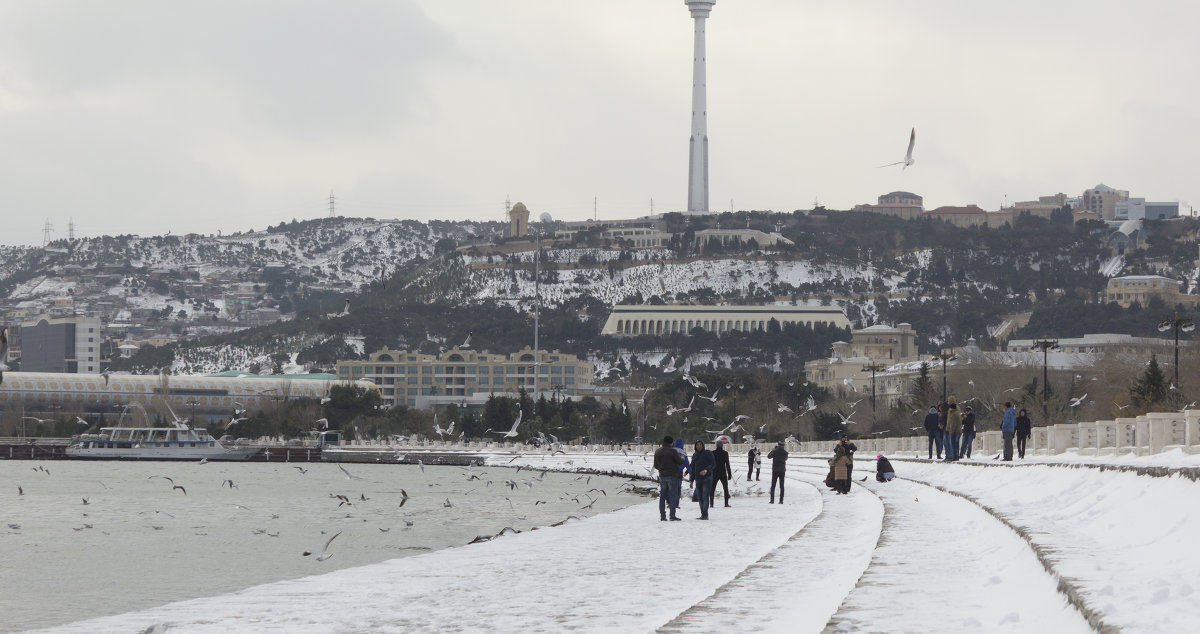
[873, 368]
[193, 402]
[945, 355]
[1045, 345]
[1178, 324]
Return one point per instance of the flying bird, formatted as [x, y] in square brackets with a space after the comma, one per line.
[908, 159]
[3, 351]
[510, 433]
[349, 476]
[1076, 402]
[325, 554]
[467, 342]
[323, 422]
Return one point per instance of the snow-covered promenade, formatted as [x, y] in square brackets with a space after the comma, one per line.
[947, 547]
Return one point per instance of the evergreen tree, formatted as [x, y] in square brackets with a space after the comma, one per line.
[922, 386]
[1151, 389]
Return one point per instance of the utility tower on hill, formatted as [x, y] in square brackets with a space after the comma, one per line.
[698, 144]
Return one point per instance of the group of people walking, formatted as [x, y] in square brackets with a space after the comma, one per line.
[952, 431]
[705, 469]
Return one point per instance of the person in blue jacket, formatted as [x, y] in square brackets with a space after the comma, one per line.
[1009, 428]
[686, 469]
[704, 463]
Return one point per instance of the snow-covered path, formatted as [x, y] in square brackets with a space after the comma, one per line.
[905, 556]
[798, 586]
[983, 576]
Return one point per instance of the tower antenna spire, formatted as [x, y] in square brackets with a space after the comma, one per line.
[332, 206]
[698, 143]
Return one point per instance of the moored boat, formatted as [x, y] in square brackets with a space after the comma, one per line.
[178, 442]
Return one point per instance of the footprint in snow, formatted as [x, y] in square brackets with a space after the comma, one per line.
[1011, 617]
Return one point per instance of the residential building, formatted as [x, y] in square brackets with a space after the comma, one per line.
[905, 205]
[1102, 343]
[1103, 200]
[1140, 288]
[61, 344]
[668, 319]
[967, 216]
[464, 375]
[743, 237]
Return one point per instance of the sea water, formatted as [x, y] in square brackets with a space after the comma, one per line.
[139, 542]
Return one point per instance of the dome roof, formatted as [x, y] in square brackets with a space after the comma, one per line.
[520, 207]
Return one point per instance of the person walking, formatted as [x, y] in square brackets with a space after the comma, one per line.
[841, 474]
[668, 462]
[884, 472]
[703, 465]
[722, 474]
[968, 432]
[1008, 428]
[1024, 431]
[932, 428]
[778, 457]
[954, 427]
[757, 464]
[750, 458]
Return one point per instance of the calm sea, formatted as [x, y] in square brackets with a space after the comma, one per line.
[138, 542]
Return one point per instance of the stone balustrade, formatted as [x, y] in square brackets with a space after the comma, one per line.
[1147, 434]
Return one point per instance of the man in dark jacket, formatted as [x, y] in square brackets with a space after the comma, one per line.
[778, 457]
[668, 462]
[968, 437]
[752, 457]
[849, 448]
[935, 433]
[722, 474]
[703, 465]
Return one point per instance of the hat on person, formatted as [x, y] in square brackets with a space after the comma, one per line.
[845, 435]
[968, 408]
[878, 456]
[779, 444]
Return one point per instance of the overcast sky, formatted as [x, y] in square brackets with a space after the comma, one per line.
[148, 116]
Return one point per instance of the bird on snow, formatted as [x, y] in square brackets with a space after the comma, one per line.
[908, 159]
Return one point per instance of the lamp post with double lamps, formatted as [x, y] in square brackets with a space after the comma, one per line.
[873, 368]
[946, 354]
[1177, 324]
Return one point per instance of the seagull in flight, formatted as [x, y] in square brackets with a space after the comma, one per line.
[809, 406]
[323, 422]
[349, 476]
[325, 554]
[908, 159]
[1076, 402]
[512, 433]
[784, 408]
[713, 398]
[467, 342]
[3, 351]
[848, 382]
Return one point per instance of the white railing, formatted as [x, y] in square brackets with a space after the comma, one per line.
[1147, 434]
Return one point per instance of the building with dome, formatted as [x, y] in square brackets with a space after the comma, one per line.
[518, 221]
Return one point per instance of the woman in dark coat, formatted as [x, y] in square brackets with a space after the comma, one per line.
[841, 470]
[884, 472]
[1024, 430]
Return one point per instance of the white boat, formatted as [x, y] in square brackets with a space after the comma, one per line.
[178, 442]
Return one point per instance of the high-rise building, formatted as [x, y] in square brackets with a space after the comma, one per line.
[698, 144]
[61, 344]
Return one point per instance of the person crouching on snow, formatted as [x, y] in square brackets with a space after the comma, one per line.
[883, 469]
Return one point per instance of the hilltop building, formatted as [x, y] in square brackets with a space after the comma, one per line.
[1103, 200]
[1140, 288]
[61, 344]
[466, 376]
[518, 221]
[904, 205]
[631, 320]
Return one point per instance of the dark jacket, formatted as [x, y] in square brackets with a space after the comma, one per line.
[722, 458]
[703, 460]
[883, 465]
[668, 462]
[931, 422]
[751, 455]
[1024, 427]
[778, 457]
[969, 423]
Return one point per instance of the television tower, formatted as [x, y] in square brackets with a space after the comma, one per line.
[698, 145]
